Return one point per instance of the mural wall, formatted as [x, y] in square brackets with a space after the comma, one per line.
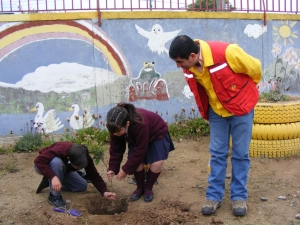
[58, 76]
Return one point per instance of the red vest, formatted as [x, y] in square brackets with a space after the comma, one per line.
[237, 92]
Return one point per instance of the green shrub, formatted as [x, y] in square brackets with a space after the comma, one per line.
[273, 96]
[188, 127]
[88, 135]
[96, 140]
[29, 142]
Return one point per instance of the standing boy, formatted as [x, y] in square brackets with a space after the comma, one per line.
[223, 80]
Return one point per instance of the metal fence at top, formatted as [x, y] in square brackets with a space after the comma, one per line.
[36, 6]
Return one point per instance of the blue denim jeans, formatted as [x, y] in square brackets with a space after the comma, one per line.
[71, 181]
[240, 129]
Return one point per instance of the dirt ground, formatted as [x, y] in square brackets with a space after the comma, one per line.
[178, 196]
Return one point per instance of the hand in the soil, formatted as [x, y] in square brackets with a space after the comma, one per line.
[121, 175]
[56, 185]
[110, 174]
[109, 195]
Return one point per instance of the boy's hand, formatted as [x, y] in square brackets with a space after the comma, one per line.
[56, 185]
[121, 175]
[110, 174]
[109, 195]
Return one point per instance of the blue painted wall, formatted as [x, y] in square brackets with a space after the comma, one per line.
[66, 70]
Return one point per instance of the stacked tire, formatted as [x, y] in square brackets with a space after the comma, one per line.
[276, 130]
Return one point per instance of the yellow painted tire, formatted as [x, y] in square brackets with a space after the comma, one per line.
[270, 113]
[274, 148]
[283, 131]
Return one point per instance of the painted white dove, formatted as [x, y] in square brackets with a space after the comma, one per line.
[45, 123]
[79, 122]
[157, 38]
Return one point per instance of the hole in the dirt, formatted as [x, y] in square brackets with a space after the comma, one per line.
[101, 206]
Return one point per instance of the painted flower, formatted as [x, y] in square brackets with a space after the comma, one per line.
[290, 56]
[297, 66]
[276, 49]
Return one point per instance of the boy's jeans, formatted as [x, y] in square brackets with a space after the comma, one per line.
[71, 181]
[240, 129]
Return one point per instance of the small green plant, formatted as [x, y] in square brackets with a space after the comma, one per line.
[29, 142]
[92, 138]
[273, 96]
[96, 141]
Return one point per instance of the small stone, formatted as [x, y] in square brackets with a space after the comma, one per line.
[282, 197]
[132, 181]
[228, 176]
[297, 216]
[263, 198]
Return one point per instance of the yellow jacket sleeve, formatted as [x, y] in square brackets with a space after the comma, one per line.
[241, 62]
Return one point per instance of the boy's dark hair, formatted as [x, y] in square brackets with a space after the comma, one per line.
[118, 116]
[182, 46]
[78, 155]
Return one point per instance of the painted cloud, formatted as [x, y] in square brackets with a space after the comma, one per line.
[255, 30]
[64, 77]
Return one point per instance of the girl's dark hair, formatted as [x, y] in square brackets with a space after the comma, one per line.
[78, 155]
[182, 46]
[118, 116]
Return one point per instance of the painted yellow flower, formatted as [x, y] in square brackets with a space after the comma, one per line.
[297, 65]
